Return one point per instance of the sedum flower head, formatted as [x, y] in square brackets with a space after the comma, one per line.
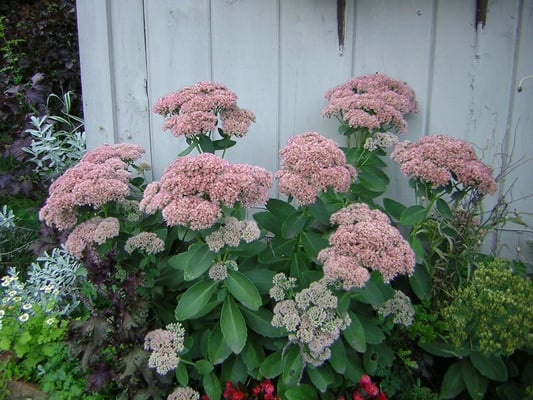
[196, 110]
[310, 164]
[373, 102]
[147, 242]
[184, 393]
[96, 230]
[101, 176]
[311, 319]
[399, 307]
[193, 189]
[365, 240]
[165, 344]
[441, 159]
[231, 232]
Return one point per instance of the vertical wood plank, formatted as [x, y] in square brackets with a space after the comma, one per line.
[515, 241]
[129, 74]
[310, 64]
[94, 33]
[246, 59]
[178, 55]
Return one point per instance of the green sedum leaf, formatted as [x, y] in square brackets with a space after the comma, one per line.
[243, 289]
[412, 215]
[233, 326]
[195, 299]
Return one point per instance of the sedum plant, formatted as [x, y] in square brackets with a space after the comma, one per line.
[188, 295]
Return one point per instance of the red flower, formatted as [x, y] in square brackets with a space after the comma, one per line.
[357, 396]
[382, 396]
[371, 389]
[365, 380]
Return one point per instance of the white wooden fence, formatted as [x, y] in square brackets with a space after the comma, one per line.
[280, 56]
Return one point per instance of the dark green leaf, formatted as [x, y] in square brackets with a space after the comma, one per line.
[272, 366]
[453, 382]
[355, 334]
[225, 143]
[393, 208]
[313, 243]
[441, 349]
[412, 215]
[187, 150]
[217, 349]
[182, 375]
[195, 299]
[475, 383]
[211, 385]
[203, 367]
[301, 392]
[260, 322]
[280, 208]
[206, 144]
[293, 225]
[420, 282]
[242, 288]
[321, 377]
[373, 334]
[338, 357]
[444, 208]
[418, 247]
[233, 326]
[293, 365]
[492, 367]
[253, 354]
[268, 221]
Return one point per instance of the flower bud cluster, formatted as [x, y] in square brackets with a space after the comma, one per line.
[399, 307]
[165, 345]
[231, 232]
[312, 321]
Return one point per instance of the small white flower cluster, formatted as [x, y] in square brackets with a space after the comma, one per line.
[380, 140]
[13, 298]
[400, 307]
[165, 345]
[231, 232]
[282, 288]
[311, 319]
[184, 393]
[219, 270]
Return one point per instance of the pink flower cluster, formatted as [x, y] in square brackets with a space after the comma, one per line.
[196, 109]
[312, 163]
[101, 176]
[96, 230]
[365, 239]
[193, 189]
[440, 159]
[375, 102]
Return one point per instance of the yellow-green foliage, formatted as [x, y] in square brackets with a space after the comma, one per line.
[493, 313]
